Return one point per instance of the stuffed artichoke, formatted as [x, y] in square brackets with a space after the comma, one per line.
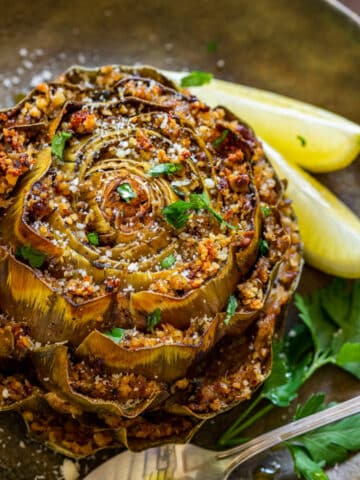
[147, 252]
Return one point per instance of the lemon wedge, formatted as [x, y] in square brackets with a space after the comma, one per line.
[317, 140]
[329, 229]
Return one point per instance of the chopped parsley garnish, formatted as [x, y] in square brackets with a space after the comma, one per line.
[33, 257]
[266, 211]
[263, 247]
[168, 261]
[126, 192]
[178, 213]
[230, 309]
[302, 140]
[93, 238]
[116, 334]
[58, 144]
[196, 79]
[153, 319]
[220, 139]
[212, 46]
[164, 169]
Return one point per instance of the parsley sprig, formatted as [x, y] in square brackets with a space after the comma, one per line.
[178, 213]
[329, 334]
[325, 446]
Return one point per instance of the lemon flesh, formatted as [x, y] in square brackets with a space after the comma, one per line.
[329, 229]
[317, 140]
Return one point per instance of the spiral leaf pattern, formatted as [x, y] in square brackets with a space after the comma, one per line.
[146, 253]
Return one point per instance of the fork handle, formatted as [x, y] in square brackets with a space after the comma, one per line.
[286, 432]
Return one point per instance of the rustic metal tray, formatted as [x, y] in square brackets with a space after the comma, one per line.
[307, 49]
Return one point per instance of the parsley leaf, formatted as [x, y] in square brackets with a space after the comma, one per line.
[263, 247]
[126, 192]
[196, 79]
[220, 139]
[304, 466]
[153, 319]
[178, 213]
[265, 211]
[58, 144]
[93, 238]
[332, 315]
[164, 169]
[230, 309]
[314, 404]
[302, 140]
[116, 334]
[33, 257]
[326, 445]
[168, 261]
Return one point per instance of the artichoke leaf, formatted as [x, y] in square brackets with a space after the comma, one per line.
[73, 437]
[21, 230]
[51, 317]
[52, 364]
[166, 362]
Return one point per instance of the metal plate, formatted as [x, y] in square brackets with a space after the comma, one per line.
[306, 49]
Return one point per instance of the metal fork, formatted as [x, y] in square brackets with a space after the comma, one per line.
[189, 462]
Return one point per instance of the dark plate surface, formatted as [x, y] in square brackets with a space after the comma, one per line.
[304, 48]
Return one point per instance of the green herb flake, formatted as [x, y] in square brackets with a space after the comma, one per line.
[164, 169]
[230, 309]
[168, 261]
[153, 319]
[265, 211]
[33, 257]
[212, 46]
[220, 139]
[58, 144]
[126, 192]
[302, 140]
[196, 79]
[178, 213]
[263, 247]
[93, 238]
[116, 334]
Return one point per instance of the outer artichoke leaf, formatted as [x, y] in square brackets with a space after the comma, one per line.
[52, 364]
[20, 230]
[74, 438]
[81, 76]
[51, 317]
[14, 342]
[206, 300]
[15, 391]
[165, 362]
[182, 429]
